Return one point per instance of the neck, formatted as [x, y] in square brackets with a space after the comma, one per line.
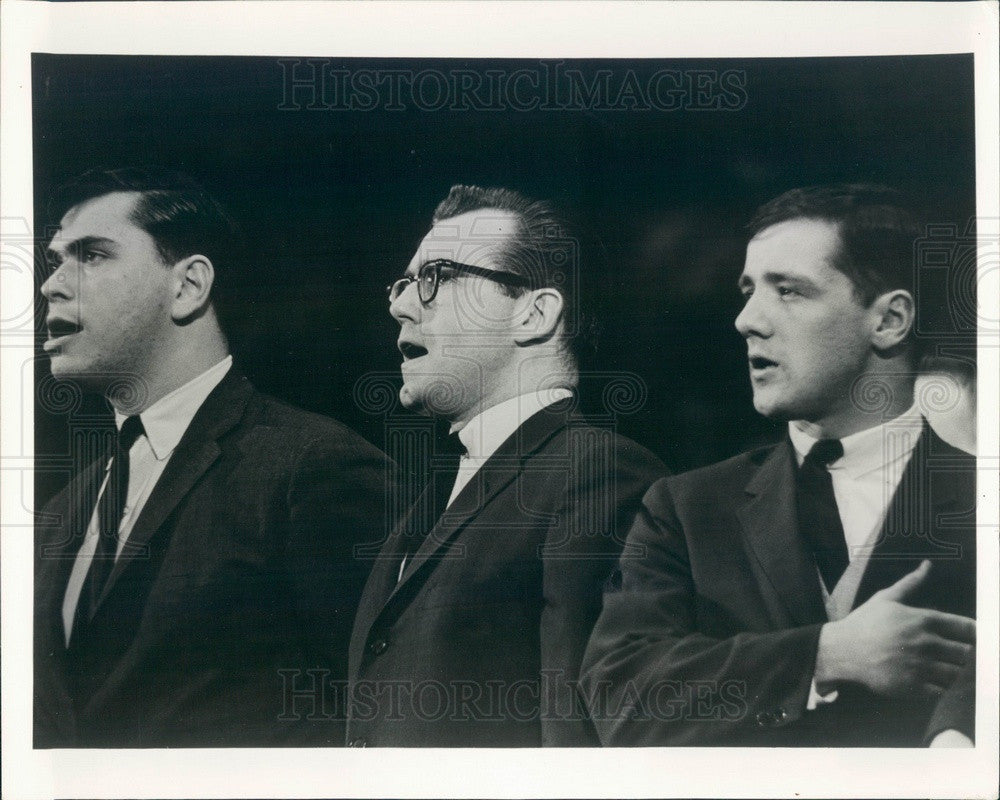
[535, 374]
[187, 358]
[879, 399]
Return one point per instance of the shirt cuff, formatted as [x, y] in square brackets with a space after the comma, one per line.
[817, 699]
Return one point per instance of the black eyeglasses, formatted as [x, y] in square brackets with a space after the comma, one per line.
[428, 278]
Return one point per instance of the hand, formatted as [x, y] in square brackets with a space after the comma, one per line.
[892, 648]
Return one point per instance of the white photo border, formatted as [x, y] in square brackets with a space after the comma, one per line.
[481, 29]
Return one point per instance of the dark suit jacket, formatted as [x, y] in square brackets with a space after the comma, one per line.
[481, 641]
[710, 636]
[956, 709]
[244, 567]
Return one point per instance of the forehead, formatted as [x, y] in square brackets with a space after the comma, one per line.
[474, 237]
[105, 217]
[806, 247]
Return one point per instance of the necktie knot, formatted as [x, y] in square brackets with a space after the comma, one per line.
[825, 451]
[130, 431]
[452, 446]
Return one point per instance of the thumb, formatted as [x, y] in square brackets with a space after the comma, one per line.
[905, 585]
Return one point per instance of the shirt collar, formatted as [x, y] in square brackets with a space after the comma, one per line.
[165, 421]
[485, 432]
[870, 449]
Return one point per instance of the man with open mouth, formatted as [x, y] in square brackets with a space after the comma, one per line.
[820, 591]
[208, 550]
[473, 622]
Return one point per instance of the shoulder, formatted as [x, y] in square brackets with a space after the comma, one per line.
[947, 464]
[584, 440]
[715, 485]
[277, 425]
[946, 471]
[935, 449]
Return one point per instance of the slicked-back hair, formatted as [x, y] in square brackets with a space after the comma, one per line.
[182, 218]
[877, 227]
[543, 248]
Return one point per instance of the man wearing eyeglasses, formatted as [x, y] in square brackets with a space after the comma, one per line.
[473, 622]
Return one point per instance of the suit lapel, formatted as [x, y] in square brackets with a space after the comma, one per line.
[770, 524]
[73, 509]
[499, 471]
[495, 475]
[382, 581]
[59, 544]
[908, 533]
[196, 452]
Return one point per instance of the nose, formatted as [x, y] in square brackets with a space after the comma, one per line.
[753, 320]
[407, 304]
[57, 285]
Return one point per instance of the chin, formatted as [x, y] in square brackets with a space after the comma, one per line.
[410, 399]
[772, 408]
[63, 368]
[79, 379]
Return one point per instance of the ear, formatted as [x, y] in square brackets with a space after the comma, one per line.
[540, 317]
[893, 317]
[193, 279]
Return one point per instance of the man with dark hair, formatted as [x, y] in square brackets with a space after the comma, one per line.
[186, 575]
[820, 591]
[540, 248]
[474, 620]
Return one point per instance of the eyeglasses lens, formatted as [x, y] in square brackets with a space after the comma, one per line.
[427, 280]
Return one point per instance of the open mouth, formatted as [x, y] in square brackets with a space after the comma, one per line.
[759, 362]
[59, 328]
[411, 350]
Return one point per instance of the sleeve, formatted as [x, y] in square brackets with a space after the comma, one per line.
[604, 491]
[652, 676]
[336, 504]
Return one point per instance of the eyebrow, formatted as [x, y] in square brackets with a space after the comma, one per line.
[78, 245]
[774, 277]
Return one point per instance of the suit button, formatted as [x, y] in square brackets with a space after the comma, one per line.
[766, 719]
[358, 743]
[781, 716]
[378, 647]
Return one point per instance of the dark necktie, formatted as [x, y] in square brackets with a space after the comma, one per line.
[445, 459]
[819, 519]
[109, 518]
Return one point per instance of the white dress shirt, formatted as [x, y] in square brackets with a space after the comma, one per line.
[164, 423]
[864, 480]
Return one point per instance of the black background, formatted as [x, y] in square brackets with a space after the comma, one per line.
[334, 203]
